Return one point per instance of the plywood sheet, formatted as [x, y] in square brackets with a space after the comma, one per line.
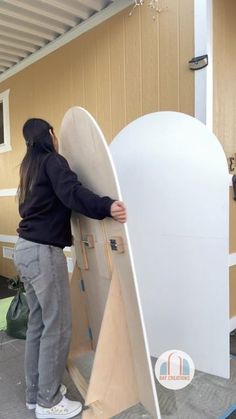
[83, 144]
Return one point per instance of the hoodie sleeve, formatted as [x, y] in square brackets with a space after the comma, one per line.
[72, 193]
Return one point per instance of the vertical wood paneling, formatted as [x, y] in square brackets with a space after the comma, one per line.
[132, 66]
[186, 77]
[90, 73]
[149, 29]
[76, 90]
[169, 57]
[224, 103]
[224, 18]
[9, 217]
[117, 74]
[103, 79]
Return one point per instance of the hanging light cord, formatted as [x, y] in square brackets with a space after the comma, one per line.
[153, 4]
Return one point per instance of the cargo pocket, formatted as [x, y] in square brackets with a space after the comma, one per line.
[27, 262]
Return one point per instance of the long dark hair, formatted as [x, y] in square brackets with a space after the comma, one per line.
[39, 143]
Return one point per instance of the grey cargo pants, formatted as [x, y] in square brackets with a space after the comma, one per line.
[43, 270]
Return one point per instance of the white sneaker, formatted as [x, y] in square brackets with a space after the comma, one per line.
[64, 410]
[32, 406]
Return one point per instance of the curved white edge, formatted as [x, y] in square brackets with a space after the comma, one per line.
[143, 323]
[104, 144]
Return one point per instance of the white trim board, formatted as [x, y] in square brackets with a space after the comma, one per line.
[204, 77]
[4, 238]
[67, 249]
[8, 192]
[111, 10]
[8, 238]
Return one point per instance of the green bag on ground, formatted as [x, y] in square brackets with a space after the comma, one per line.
[17, 316]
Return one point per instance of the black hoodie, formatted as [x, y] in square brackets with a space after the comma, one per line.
[46, 210]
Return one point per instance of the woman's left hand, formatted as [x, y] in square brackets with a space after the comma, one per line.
[118, 211]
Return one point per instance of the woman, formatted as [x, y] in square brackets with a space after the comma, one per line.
[48, 192]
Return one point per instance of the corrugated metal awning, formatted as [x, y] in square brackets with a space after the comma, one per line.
[28, 27]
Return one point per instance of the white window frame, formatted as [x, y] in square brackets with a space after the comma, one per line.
[4, 98]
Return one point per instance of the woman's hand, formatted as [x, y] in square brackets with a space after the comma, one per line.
[118, 211]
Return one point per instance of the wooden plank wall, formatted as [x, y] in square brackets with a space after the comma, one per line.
[120, 70]
[224, 53]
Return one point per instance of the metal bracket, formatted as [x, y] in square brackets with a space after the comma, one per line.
[232, 163]
[88, 241]
[117, 244]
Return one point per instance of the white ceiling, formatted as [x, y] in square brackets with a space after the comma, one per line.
[29, 26]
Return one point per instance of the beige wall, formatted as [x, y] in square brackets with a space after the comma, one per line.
[232, 249]
[7, 267]
[224, 53]
[124, 68]
[232, 285]
[224, 44]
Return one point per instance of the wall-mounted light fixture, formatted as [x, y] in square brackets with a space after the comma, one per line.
[197, 63]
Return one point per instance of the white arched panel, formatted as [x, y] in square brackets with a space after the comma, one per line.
[174, 179]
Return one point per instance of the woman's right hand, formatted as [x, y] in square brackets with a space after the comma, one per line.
[118, 211]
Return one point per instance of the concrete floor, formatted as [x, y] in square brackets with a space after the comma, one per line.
[12, 386]
[207, 397]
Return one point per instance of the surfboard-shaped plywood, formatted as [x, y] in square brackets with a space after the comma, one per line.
[173, 175]
[121, 374]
